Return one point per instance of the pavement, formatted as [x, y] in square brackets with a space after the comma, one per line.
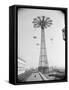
[36, 76]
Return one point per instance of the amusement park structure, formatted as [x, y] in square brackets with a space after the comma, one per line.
[42, 22]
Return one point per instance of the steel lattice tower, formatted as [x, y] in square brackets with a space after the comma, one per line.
[43, 61]
[42, 22]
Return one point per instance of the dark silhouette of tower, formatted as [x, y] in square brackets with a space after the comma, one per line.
[63, 33]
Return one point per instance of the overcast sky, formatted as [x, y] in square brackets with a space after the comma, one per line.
[55, 45]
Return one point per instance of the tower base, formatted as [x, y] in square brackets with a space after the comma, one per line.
[43, 69]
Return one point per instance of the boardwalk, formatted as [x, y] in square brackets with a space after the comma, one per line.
[32, 76]
[36, 76]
